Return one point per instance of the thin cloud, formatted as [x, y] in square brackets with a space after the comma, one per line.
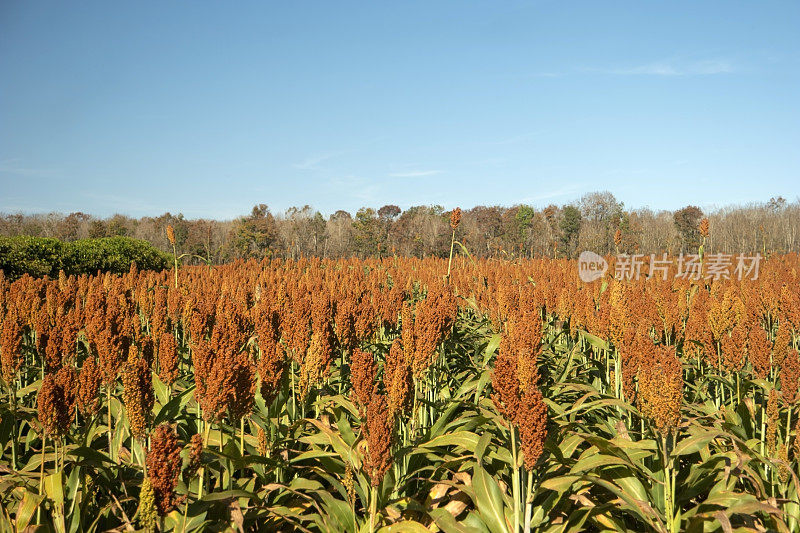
[16, 167]
[516, 139]
[24, 208]
[672, 68]
[313, 162]
[415, 173]
[567, 190]
[546, 75]
[356, 187]
[491, 161]
[120, 203]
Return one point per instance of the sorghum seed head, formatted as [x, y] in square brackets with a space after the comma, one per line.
[380, 438]
[164, 467]
[455, 218]
[195, 456]
[363, 372]
[704, 227]
[532, 423]
[147, 512]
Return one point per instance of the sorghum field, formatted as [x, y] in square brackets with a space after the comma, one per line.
[365, 395]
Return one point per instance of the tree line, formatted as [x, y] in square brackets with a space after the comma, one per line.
[597, 222]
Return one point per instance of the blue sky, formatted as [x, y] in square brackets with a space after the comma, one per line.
[207, 108]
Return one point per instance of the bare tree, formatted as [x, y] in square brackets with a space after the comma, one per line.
[597, 222]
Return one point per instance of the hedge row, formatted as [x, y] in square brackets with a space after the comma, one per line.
[40, 256]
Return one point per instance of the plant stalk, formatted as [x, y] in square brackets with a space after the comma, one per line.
[515, 477]
[203, 468]
[373, 505]
[41, 482]
[528, 502]
[110, 424]
[669, 503]
[450, 261]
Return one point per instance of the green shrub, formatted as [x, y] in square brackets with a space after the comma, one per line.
[41, 256]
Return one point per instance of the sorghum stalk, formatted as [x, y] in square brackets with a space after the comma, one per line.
[668, 510]
[203, 469]
[738, 389]
[171, 237]
[241, 436]
[515, 476]
[529, 502]
[373, 504]
[763, 421]
[450, 261]
[41, 482]
[294, 395]
[227, 462]
[455, 219]
[413, 417]
[183, 518]
[110, 424]
[341, 367]
[13, 394]
[719, 370]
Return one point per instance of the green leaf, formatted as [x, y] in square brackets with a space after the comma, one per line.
[694, 443]
[90, 455]
[30, 502]
[172, 409]
[54, 487]
[326, 434]
[565, 373]
[595, 341]
[160, 389]
[312, 454]
[480, 448]
[627, 482]
[405, 525]
[340, 513]
[489, 500]
[491, 347]
[464, 439]
[228, 495]
[301, 483]
[447, 523]
[593, 460]
[560, 483]
[569, 445]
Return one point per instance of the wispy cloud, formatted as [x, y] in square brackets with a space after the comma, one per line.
[313, 162]
[415, 173]
[672, 68]
[18, 168]
[665, 68]
[567, 190]
[490, 161]
[356, 187]
[516, 139]
[20, 207]
[121, 203]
